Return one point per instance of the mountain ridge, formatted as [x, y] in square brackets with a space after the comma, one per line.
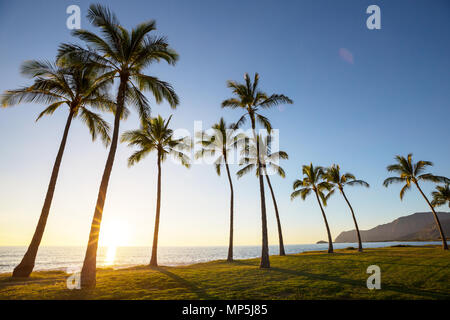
[419, 226]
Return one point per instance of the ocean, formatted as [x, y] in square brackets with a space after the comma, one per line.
[70, 259]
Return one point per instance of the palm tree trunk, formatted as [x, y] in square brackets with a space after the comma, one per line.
[26, 266]
[154, 259]
[360, 248]
[330, 242]
[88, 272]
[436, 219]
[230, 245]
[265, 262]
[280, 234]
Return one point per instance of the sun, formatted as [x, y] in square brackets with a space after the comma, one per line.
[113, 234]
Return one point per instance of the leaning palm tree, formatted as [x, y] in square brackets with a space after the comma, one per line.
[268, 159]
[122, 55]
[334, 177]
[77, 89]
[219, 145]
[441, 196]
[249, 98]
[313, 182]
[411, 173]
[155, 135]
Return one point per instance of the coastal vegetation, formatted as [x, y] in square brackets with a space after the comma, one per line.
[407, 273]
[115, 62]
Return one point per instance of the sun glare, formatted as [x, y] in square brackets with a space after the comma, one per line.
[114, 234]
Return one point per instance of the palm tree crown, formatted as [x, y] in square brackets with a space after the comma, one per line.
[220, 143]
[441, 196]
[76, 88]
[155, 135]
[311, 182]
[410, 172]
[124, 54]
[251, 99]
[334, 177]
[268, 158]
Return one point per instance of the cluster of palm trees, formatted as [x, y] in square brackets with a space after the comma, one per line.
[323, 182]
[82, 78]
[318, 180]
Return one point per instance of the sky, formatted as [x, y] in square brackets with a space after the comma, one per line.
[360, 97]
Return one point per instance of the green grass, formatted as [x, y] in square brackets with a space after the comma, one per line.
[406, 273]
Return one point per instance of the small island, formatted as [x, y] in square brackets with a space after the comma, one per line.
[321, 241]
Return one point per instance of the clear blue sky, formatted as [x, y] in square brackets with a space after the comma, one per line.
[392, 98]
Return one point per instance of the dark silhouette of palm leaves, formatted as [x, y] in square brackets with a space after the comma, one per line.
[220, 143]
[155, 135]
[311, 182]
[251, 99]
[441, 196]
[410, 173]
[55, 86]
[269, 160]
[124, 54]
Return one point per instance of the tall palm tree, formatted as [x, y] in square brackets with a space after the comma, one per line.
[155, 135]
[249, 98]
[268, 159]
[219, 145]
[78, 89]
[121, 54]
[441, 196]
[313, 182]
[411, 173]
[334, 177]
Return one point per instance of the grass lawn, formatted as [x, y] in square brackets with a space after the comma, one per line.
[406, 273]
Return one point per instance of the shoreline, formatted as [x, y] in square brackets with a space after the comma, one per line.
[131, 266]
[408, 272]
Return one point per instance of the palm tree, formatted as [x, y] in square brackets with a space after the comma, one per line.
[123, 55]
[411, 173]
[313, 182]
[268, 159]
[155, 135]
[334, 177]
[441, 196]
[249, 98]
[219, 145]
[78, 89]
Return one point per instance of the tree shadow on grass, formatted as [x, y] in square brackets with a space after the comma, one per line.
[339, 257]
[360, 284]
[202, 294]
[356, 283]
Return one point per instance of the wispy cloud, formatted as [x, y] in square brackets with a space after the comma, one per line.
[346, 55]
